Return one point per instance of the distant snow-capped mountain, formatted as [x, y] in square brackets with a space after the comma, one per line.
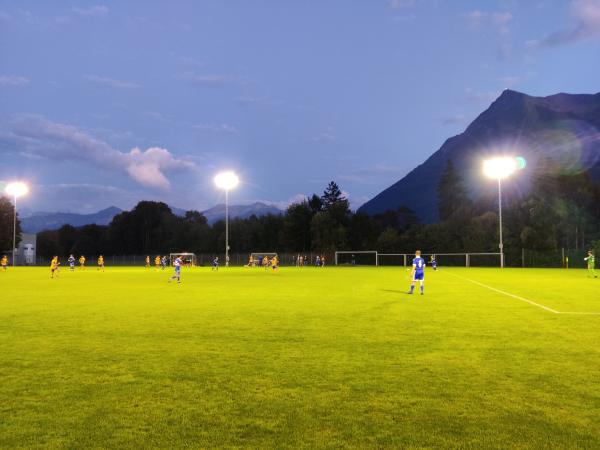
[34, 222]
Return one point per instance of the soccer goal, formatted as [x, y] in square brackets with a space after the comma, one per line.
[358, 258]
[187, 259]
[443, 259]
[256, 259]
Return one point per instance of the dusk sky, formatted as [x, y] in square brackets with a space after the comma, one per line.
[109, 103]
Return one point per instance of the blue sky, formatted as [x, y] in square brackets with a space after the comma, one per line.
[108, 103]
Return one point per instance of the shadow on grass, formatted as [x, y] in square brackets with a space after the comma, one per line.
[394, 291]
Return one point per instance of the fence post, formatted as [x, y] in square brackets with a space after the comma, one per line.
[523, 257]
[467, 260]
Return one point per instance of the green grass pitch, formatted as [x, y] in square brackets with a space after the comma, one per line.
[304, 358]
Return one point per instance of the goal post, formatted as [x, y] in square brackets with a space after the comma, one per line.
[187, 259]
[357, 258]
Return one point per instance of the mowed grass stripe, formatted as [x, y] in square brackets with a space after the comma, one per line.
[579, 294]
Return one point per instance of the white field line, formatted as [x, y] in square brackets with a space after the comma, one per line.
[523, 299]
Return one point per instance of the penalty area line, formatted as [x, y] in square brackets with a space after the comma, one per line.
[523, 299]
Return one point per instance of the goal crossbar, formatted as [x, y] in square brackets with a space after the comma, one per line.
[467, 256]
[186, 257]
[360, 252]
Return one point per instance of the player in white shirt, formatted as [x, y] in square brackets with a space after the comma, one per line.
[177, 274]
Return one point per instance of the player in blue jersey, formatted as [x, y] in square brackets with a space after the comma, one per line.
[163, 262]
[71, 263]
[177, 274]
[418, 272]
[433, 262]
[215, 264]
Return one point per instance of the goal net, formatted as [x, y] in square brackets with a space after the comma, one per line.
[442, 259]
[359, 258]
[256, 259]
[187, 259]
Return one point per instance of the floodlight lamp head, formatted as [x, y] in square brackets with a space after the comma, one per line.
[499, 168]
[227, 180]
[16, 189]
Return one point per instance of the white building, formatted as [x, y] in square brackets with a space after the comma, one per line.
[26, 251]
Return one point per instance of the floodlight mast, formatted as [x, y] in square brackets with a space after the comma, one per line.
[500, 168]
[227, 181]
[15, 190]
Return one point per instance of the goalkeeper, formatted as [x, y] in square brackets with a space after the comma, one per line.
[591, 263]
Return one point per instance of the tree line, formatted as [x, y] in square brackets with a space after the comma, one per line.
[560, 210]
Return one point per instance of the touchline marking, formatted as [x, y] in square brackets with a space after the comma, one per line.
[523, 299]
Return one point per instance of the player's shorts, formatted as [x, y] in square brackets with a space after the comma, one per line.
[419, 276]
[177, 269]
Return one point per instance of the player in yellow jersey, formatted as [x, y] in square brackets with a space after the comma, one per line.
[82, 262]
[54, 267]
[157, 262]
[4, 262]
[101, 263]
[265, 262]
[274, 263]
[147, 261]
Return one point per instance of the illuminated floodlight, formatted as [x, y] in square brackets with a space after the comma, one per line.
[227, 180]
[500, 168]
[16, 189]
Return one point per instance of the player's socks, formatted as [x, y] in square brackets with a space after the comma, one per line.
[422, 290]
[412, 288]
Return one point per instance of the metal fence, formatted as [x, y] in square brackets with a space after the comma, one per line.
[523, 258]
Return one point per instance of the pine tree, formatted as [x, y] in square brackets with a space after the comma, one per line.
[332, 195]
[7, 211]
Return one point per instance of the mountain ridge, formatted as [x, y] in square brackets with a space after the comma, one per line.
[34, 222]
[561, 126]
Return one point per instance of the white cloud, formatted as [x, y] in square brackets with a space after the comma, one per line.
[156, 116]
[62, 20]
[111, 82]
[192, 61]
[500, 20]
[217, 128]
[402, 3]
[39, 136]
[248, 100]
[586, 26]
[212, 79]
[327, 135]
[93, 11]
[13, 81]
